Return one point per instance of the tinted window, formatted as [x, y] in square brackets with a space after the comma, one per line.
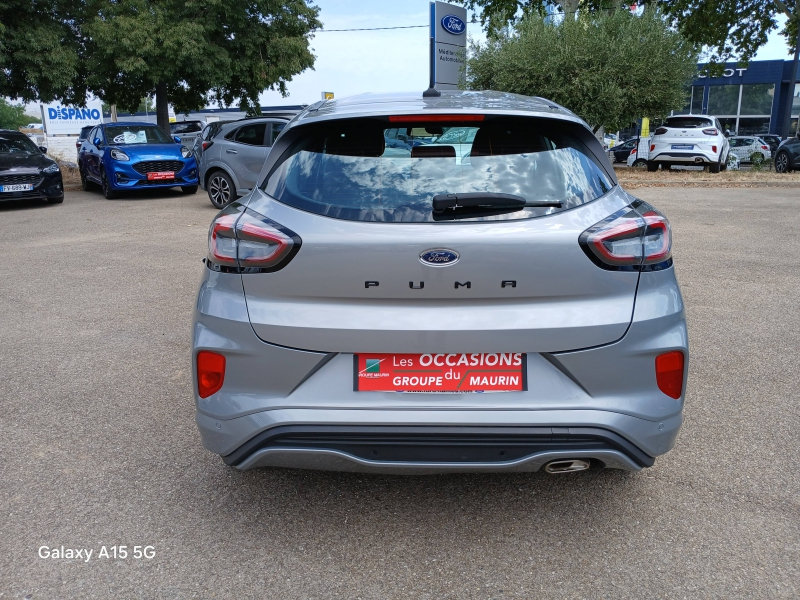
[85, 132]
[252, 135]
[137, 134]
[186, 127]
[687, 122]
[276, 130]
[11, 143]
[347, 170]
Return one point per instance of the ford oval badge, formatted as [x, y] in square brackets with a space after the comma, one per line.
[439, 257]
[453, 24]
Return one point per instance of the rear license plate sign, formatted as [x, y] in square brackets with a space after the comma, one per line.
[682, 146]
[17, 187]
[444, 373]
[161, 175]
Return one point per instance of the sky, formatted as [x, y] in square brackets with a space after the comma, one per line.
[354, 62]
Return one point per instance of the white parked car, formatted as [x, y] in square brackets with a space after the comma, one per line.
[635, 161]
[689, 140]
[749, 148]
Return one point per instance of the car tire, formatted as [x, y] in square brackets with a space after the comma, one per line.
[109, 192]
[189, 189]
[715, 167]
[86, 185]
[56, 200]
[639, 163]
[782, 163]
[221, 190]
[652, 167]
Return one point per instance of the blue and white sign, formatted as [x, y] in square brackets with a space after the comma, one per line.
[60, 119]
[448, 28]
[454, 25]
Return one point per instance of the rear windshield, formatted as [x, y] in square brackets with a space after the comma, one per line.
[367, 170]
[687, 122]
[185, 127]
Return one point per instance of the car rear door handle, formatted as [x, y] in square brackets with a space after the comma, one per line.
[231, 151]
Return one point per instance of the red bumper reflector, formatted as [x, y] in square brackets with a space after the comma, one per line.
[669, 373]
[210, 372]
[432, 118]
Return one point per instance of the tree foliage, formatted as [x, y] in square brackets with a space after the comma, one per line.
[186, 52]
[600, 66]
[730, 28]
[12, 116]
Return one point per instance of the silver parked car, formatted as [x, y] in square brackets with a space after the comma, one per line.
[231, 161]
[365, 310]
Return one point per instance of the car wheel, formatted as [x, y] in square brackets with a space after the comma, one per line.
[652, 167]
[108, 191]
[221, 190]
[189, 189]
[87, 185]
[639, 163]
[782, 163]
[715, 167]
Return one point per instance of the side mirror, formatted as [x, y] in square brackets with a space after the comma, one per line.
[97, 142]
[177, 139]
[727, 133]
[43, 149]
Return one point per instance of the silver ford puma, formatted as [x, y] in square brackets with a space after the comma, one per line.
[423, 285]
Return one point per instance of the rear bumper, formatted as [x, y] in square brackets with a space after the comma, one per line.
[689, 158]
[417, 442]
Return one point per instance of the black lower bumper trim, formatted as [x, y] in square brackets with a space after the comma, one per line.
[438, 444]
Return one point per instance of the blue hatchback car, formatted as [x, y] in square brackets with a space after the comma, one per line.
[130, 156]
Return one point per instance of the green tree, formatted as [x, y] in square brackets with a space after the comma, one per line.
[41, 51]
[185, 52]
[12, 116]
[600, 65]
[729, 28]
[189, 52]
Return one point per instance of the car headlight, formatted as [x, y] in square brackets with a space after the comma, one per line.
[51, 168]
[185, 152]
[119, 155]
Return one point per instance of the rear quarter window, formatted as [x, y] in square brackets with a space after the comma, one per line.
[354, 169]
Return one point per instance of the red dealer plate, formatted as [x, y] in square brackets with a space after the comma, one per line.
[453, 373]
[161, 175]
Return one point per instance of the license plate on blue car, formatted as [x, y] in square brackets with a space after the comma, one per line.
[17, 187]
[682, 146]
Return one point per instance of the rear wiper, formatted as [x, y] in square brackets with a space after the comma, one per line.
[486, 201]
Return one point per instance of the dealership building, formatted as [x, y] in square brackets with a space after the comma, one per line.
[748, 100]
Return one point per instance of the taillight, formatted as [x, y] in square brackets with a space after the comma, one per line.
[207, 145]
[669, 373]
[764, 147]
[661, 131]
[244, 241]
[711, 131]
[713, 148]
[636, 238]
[652, 147]
[210, 373]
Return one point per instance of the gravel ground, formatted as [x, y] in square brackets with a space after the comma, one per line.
[100, 449]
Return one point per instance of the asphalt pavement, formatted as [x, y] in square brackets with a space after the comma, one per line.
[99, 447]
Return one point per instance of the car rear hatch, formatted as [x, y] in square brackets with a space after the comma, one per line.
[388, 274]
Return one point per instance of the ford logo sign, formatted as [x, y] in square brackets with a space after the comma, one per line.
[453, 24]
[439, 257]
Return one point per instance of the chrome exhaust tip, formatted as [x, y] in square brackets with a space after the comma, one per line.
[566, 466]
[698, 160]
